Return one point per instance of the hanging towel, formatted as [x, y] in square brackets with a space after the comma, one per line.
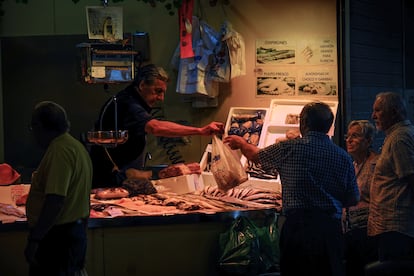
[236, 47]
[192, 75]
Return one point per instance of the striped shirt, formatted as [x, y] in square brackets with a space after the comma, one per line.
[392, 197]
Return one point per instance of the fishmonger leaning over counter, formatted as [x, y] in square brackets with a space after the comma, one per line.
[134, 105]
[318, 180]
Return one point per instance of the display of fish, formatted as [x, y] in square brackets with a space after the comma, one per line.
[246, 196]
[209, 200]
[10, 210]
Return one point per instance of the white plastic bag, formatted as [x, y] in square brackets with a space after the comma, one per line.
[225, 167]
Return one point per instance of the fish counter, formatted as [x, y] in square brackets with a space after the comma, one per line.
[174, 233]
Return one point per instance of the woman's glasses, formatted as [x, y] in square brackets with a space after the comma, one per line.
[353, 136]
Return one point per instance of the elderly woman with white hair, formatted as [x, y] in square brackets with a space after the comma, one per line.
[359, 248]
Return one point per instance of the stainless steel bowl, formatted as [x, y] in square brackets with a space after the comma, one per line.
[109, 138]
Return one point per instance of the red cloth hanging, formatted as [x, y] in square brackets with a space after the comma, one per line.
[185, 15]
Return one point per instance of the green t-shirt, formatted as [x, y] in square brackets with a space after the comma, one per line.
[65, 170]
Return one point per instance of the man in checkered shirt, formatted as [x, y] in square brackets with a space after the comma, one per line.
[318, 180]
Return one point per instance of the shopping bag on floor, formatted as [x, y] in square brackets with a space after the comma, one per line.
[225, 167]
[247, 249]
[239, 247]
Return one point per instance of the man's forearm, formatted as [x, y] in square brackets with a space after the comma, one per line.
[170, 129]
[250, 151]
[50, 211]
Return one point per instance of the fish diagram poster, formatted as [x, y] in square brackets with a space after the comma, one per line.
[302, 68]
[276, 81]
[271, 52]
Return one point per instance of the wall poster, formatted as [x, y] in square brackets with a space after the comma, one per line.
[289, 68]
[105, 23]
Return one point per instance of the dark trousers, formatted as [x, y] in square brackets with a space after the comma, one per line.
[395, 246]
[311, 243]
[62, 251]
[396, 256]
[360, 250]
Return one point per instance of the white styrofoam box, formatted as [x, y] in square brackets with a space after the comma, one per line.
[280, 109]
[180, 184]
[274, 132]
[248, 120]
[208, 179]
[284, 115]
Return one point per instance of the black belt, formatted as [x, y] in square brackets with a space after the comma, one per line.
[78, 221]
[81, 221]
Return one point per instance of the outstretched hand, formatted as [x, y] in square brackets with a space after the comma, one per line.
[213, 128]
[250, 151]
[234, 141]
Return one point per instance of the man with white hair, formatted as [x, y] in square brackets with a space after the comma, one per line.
[391, 215]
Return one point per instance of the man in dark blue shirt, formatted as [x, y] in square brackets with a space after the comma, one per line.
[133, 106]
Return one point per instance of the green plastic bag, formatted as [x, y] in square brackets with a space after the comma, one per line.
[247, 249]
[270, 244]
